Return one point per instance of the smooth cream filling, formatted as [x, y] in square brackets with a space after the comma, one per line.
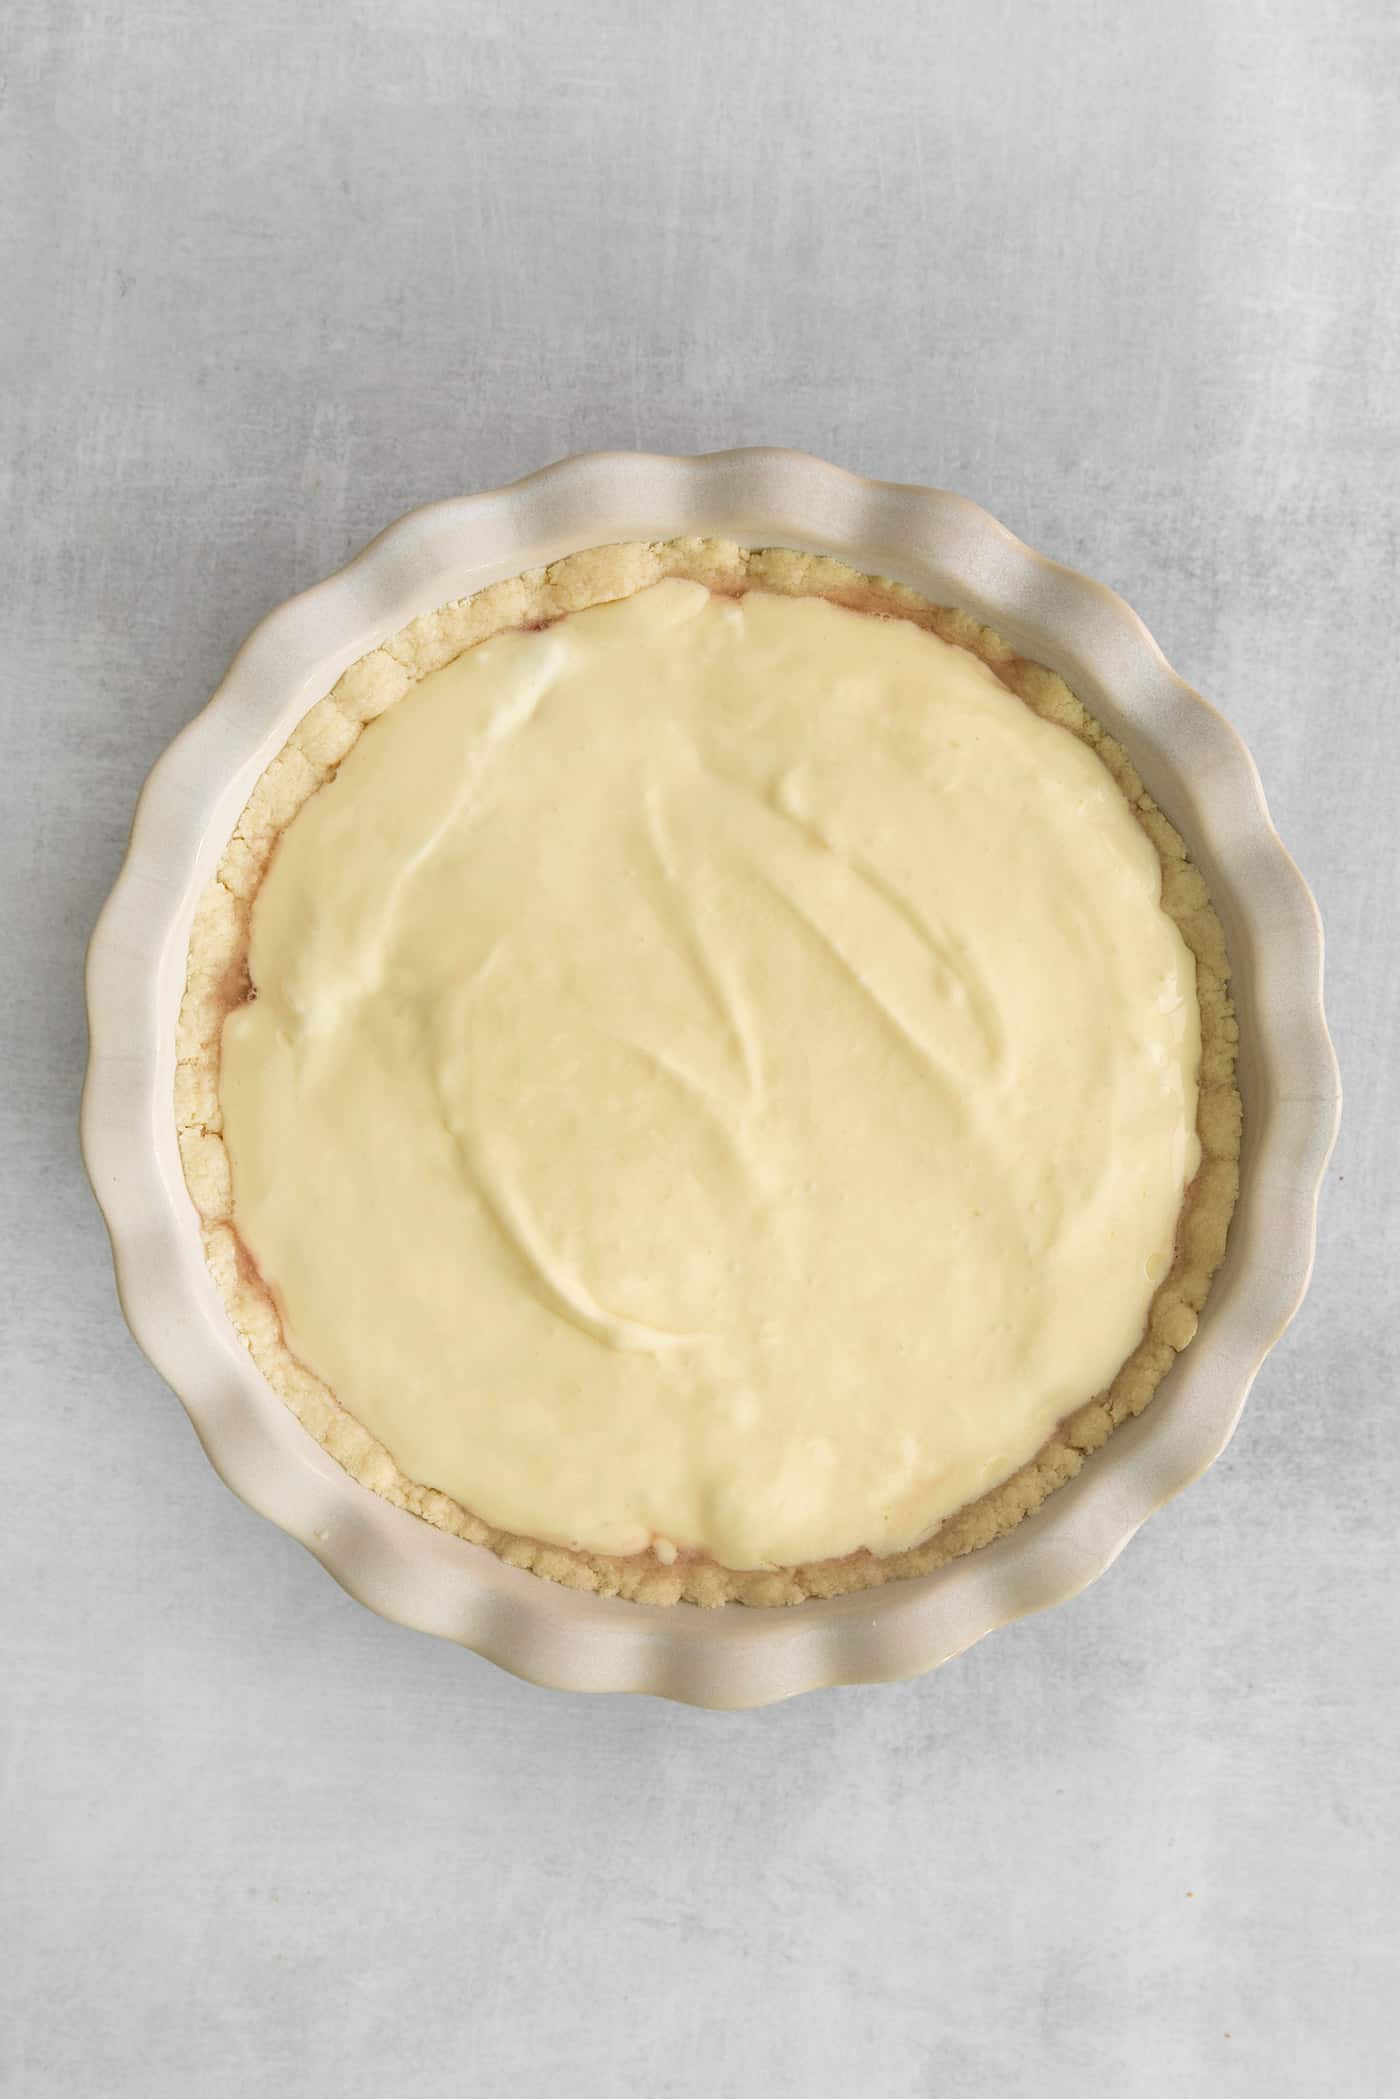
[720, 1079]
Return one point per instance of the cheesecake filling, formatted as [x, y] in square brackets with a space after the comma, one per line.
[718, 1079]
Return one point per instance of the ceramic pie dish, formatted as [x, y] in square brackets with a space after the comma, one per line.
[939, 546]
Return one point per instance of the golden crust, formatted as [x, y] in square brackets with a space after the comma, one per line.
[217, 980]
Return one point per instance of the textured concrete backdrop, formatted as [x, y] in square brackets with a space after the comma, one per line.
[273, 274]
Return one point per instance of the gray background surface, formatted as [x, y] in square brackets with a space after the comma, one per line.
[274, 274]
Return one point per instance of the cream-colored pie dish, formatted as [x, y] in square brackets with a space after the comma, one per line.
[706, 1071]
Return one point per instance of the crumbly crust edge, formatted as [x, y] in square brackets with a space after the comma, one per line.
[217, 980]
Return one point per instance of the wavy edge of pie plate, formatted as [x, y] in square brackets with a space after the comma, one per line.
[1195, 765]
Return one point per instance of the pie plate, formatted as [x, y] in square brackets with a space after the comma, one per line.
[1193, 763]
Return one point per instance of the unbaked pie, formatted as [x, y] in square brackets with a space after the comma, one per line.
[708, 1075]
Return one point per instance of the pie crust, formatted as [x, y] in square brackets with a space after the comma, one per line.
[217, 981]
